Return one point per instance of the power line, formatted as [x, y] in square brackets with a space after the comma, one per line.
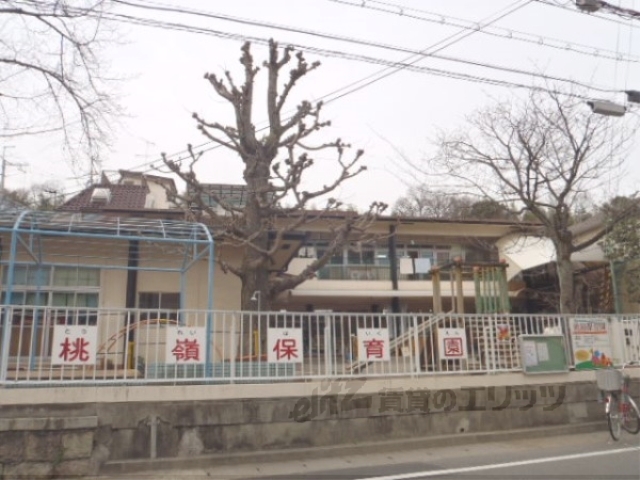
[347, 56]
[500, 32]
[159, 7]
[332, 53]
[440, 45]
[571, 7]
[356, 86]
[381, 74]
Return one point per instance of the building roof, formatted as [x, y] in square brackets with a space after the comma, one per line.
[122, 197]
[169, 182]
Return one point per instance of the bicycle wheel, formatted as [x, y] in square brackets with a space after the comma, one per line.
[630, 414]
[614, 419]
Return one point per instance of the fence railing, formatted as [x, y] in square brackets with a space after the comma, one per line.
[47, 345]
[377, 272]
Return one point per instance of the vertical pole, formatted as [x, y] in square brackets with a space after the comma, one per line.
[8, 313]
[210, 339]
[416, 345]
[476, 284]
[393, 268]
[437, 290]
[131, 291]
[4, 166]
[504, 289]
[460, 295]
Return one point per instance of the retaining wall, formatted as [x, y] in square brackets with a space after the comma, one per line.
[43, 439]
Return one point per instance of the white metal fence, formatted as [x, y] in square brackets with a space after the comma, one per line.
[48, 345]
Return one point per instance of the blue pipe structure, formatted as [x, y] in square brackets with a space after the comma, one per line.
[33, 232]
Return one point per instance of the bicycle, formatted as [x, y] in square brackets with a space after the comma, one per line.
[621, 410]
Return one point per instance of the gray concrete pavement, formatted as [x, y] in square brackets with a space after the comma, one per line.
[584, 456]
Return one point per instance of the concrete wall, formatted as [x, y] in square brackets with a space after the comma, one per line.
[46, 438]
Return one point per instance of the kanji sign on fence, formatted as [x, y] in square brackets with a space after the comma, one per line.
[452, 343]
[186, 345]
[74, 345]
[373, 345]
[284, 345]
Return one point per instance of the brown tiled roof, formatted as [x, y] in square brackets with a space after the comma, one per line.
[123, 197]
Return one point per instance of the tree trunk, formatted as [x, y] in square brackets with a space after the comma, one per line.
[565, 278]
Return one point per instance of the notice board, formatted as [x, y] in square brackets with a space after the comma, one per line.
[543, 354]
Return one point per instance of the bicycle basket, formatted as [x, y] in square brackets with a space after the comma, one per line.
[609, 380]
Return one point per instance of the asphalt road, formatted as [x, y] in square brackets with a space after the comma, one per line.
[584, 457]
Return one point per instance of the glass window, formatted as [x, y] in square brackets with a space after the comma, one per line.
[165, 304]
[382, 257]
[37, 298]
[353, 257]
[38, 276]
[76, 277]
[89, 300]
[28, 275]
[65, 277]
[19, 275]
[17, 298]
[89, 277]
[159, 300]
[442, 257]
[336, 259]
[63, 299]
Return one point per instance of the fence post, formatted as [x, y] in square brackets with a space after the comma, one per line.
[328, 345]
[617, 339]
[416, 344]
[7, 326]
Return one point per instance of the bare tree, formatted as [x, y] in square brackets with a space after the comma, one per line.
[422, 202]
[542, 154]
[51, 76]
[276, 165]
[41, 196]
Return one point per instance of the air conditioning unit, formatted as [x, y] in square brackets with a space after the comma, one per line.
[101, 195]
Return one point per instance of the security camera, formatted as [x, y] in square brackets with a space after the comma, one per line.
[589, 5]
[605, 107]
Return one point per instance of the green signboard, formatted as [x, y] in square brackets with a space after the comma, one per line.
[543, 354]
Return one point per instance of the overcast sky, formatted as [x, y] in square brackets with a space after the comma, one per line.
[164, 79]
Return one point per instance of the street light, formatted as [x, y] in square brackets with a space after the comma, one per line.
[605, 107]
[256, 298]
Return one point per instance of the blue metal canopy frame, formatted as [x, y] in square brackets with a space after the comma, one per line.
[28, 228]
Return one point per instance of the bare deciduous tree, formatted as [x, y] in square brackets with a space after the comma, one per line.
[422, 202]
[276, 164]
[41, 196]
[51, 76]
[542, 154]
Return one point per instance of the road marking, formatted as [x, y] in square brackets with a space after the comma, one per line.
[478, 468]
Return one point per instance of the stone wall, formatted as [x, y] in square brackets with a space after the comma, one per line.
[48, 440]
[46, 446]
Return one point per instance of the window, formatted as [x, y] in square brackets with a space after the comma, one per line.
[166, 305]
[56, 286]
[72, 291]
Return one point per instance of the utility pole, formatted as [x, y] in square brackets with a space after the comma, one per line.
[4, 165]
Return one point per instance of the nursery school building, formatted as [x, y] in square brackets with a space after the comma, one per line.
[118, 286]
